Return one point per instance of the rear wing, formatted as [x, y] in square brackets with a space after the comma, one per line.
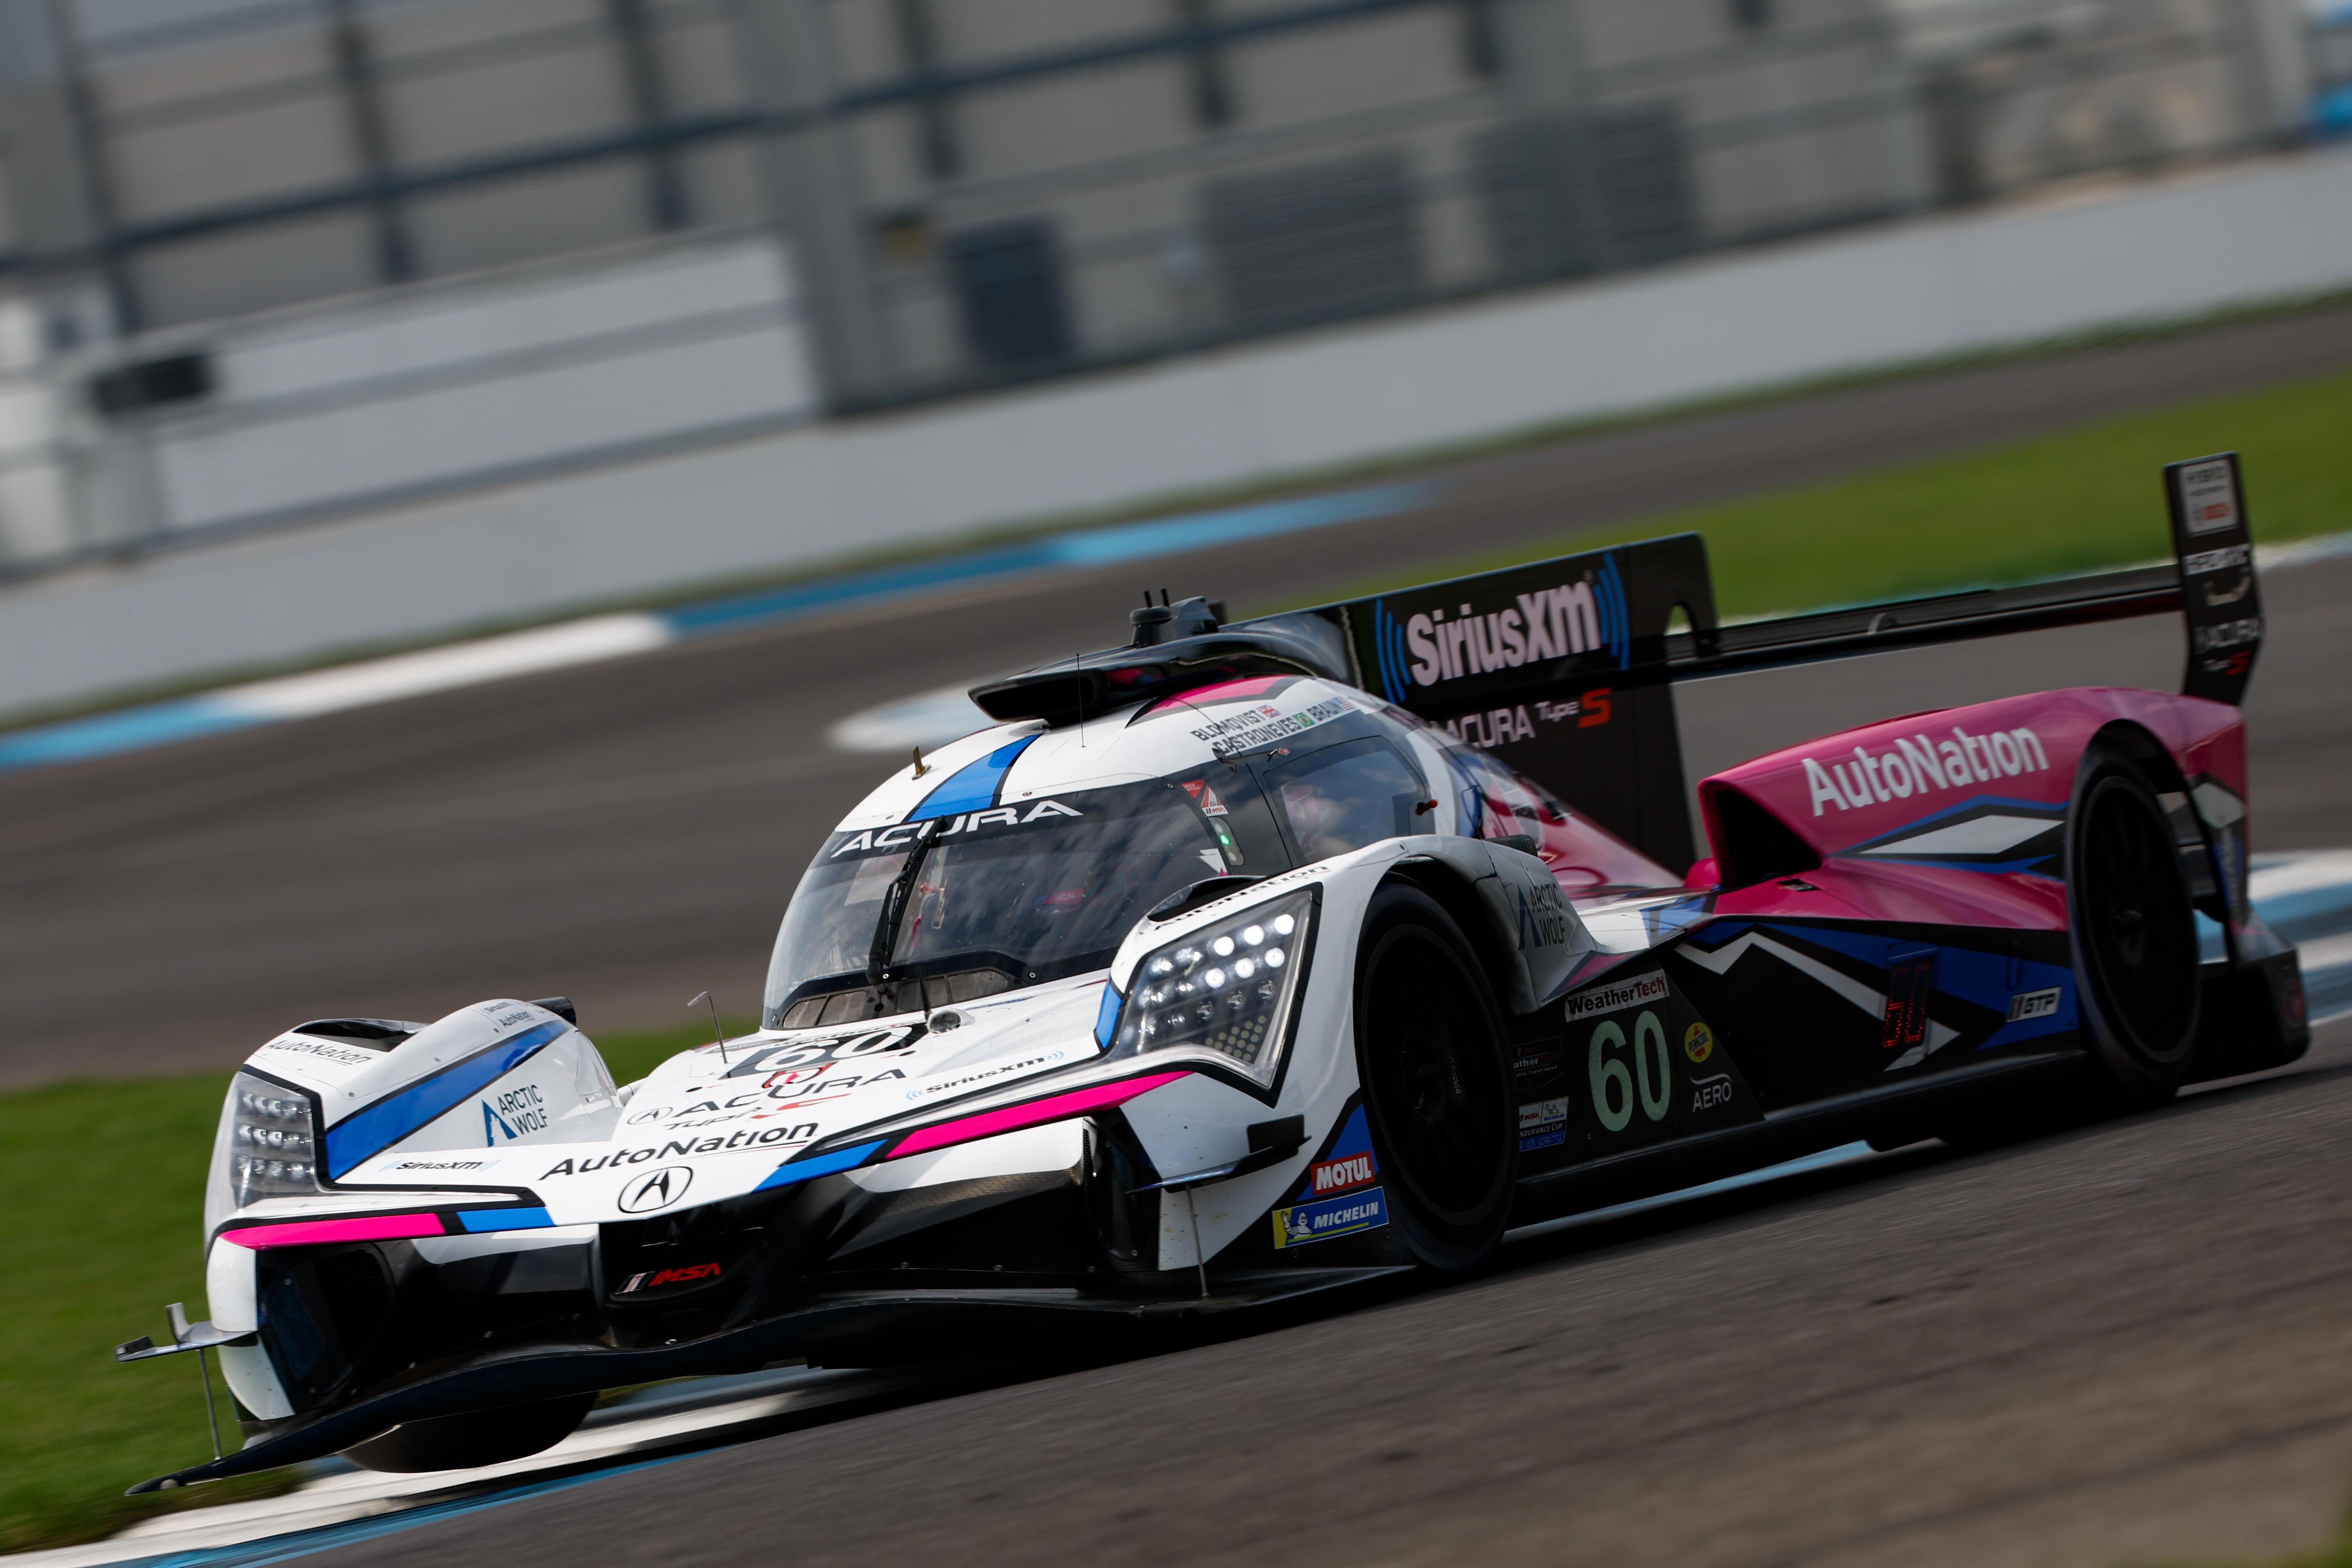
[1565, 669]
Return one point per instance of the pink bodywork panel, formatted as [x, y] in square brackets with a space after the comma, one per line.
[1013, 1118]
[1860, 785]
[1933, 895]
[1246, 687]
[310, 1233]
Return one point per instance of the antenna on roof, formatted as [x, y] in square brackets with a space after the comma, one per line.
[705, 997]
[919, 769]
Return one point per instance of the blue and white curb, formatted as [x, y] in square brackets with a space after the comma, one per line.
[600, 637]
[340, 1505]
[2307, 899]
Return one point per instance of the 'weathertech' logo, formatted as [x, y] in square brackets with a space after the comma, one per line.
[1915, 764]
[1609, 998]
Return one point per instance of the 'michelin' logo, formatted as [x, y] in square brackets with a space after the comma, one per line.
[1426, 647]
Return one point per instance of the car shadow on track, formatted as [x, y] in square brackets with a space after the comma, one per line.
[1674, 1216]
[1555, 1247]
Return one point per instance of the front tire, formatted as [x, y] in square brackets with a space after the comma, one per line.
[2134, 937]
[1437, 1082]
[476, 1437]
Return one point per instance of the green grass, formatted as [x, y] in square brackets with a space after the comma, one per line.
[2085, 499]
[109, 1182]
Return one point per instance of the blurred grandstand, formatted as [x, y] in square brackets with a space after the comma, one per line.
[269, 262]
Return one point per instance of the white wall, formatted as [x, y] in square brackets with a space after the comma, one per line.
[445, 385]
[2254, 232]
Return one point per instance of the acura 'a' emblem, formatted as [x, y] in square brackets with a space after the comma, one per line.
[656, 1189]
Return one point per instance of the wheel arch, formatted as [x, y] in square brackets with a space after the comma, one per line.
[2192, 838]
[2138, 744]
[1454, 890]
[2139, 1073]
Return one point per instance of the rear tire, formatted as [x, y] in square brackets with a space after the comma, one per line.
[476, 1437]
[2134, 937]
[1437, 1082]
[2136, 970]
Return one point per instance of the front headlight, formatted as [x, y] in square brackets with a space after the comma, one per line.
[268, 1147]
[1225, 989]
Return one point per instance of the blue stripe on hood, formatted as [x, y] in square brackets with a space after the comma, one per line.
[973, 786]
[358, 1139]
[784, 1175]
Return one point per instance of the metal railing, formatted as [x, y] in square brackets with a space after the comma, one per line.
[1092, 199]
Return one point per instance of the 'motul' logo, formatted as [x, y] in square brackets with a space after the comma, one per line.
[656, 1189]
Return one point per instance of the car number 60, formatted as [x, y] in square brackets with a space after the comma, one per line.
[1614, 1088]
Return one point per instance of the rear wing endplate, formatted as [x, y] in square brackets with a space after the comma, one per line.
[1564, 669]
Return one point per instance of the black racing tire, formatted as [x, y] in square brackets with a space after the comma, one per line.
[1437, 1080]
[2135, 935]
[476, 1437]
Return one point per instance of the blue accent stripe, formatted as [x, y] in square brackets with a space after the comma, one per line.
[2054, 813]
[476, 1220]
[1866, 943]
[973, 786]
[1387, 639]
[360, 1138]
[1989, 868]
[823, 1165]
[1094, 547]
[128, 729]
[1106, 1015]
[284, 1548]
[183, 718]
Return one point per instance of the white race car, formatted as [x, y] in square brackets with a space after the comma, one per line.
[1209, 976]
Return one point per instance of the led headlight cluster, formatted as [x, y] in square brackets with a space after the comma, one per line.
[272, 1147]
[1225, 989]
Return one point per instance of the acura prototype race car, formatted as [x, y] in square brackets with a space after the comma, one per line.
[1251, 959]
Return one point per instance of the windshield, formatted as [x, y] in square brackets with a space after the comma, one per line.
[1343, 797]
[1012, 896]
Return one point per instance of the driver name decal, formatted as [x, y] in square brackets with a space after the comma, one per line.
[1264, 724]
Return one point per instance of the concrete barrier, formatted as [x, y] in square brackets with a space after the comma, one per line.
[1946, 285]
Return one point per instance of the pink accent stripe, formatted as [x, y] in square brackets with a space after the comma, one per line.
[366, 1227]
[1223, 691]
[1077, 1102]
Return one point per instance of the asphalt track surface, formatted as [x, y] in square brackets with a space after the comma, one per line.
[628, 834]
[2125, 1343]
